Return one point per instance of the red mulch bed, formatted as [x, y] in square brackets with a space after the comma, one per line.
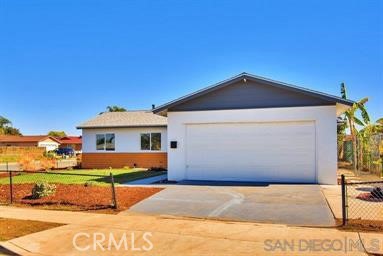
[78, 197]
[369, 197]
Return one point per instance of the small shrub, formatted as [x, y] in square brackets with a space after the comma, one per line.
[126, 167]
[43, 189]
[50, 154]
[47, 164]
[157, 169]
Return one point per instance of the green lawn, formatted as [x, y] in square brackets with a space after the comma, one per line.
[72, 177]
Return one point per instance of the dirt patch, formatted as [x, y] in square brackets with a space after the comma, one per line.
[78, 197]
[361, 225]
[12, 228]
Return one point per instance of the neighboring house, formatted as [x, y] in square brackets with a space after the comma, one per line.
[44, 141]
[118, 139]
[250, 128]
[73, 142]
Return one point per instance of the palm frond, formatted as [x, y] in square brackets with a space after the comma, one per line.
[358, 121]
[343, 92]
[363, 101]
[363, 110]
[364, 113]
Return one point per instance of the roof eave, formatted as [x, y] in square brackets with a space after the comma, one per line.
[160, 109]
[120, 126]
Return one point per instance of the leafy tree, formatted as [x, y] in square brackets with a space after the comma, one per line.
[114, 109]
[376, 127]
[4, 122]
[6, 127]
[368, 143]
[8, 130]
[353, 120]
[58, 134]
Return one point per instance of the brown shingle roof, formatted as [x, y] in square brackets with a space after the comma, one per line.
[140, 118]
[71, 140]
[34, 138]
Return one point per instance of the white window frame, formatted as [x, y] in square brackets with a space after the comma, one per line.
[104, 148]
[150, 142]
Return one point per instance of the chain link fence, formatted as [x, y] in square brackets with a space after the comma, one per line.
[362, 202]
[58, 189]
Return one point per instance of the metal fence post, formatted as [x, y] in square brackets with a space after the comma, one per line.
[113, 192]
[10, 185]
[344, 212]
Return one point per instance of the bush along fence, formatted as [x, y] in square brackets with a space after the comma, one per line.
[368, 155]
[61, 190]
[362, 202]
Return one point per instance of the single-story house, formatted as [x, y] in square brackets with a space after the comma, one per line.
[246, 128]
[44, 141]
[118, 139]
[250, 128]
[73, 142]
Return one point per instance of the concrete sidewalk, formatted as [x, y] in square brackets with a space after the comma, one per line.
[147, 181]
[171, 236]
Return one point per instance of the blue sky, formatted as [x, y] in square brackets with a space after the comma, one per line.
[62, 62]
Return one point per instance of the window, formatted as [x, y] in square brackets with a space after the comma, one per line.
[151, 141]
[109, 145]
[100, 141]
[155, 141]
[145, 141]
[105, 141]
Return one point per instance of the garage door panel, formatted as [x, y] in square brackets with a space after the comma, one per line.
[281, 151]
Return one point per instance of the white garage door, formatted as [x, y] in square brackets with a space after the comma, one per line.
[274, 152]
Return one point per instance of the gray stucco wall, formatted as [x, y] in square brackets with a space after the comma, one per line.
[250, 94]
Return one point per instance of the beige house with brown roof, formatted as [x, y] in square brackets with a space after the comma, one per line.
[118, 139]
[43, 141]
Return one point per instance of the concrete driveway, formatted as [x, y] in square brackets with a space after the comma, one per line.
[302, 205]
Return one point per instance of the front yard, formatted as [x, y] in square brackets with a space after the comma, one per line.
[78, 190]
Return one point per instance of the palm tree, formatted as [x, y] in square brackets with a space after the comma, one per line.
[352, 120]
[114, 109]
